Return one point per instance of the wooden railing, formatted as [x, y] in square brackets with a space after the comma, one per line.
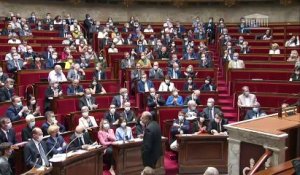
[268, 153]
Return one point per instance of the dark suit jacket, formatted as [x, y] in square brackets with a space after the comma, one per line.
[185, 127]
[46, 125]
[31, 152]
[5, 94]
[11, 136]
[47, 55]
[205, 87]
[49, 63]
[83, 102]
[141, 85]
[108, 117]
[163, 55]
[117, 101]
[77, 144]
[152, 104]
[294, 77]
[251, 114]
[170, 73]
[26, 134]
[103, 75]
[71, 89]
[213, 125]
[188, 98]
[207, 64]
[63, 32]
[3, 78]
[128, 116]
[186, 86]
[11, 65]
[12, 113]
[208, 113]
[49, 93]
[56, 144]
[186, 56]
[151, 147]
[158, 74]
[5, 168]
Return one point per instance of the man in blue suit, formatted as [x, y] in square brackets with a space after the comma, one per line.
[16, 111]
[50, 62]
[175, 99]
[120, 100]
[144, 85]
[7, 133]
[140, 47]
[255, 112]
[190, 55]
[16, 64]
[48, 54]
[75, 88]
[174, 72]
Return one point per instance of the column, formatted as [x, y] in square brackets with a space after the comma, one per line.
[234, 150]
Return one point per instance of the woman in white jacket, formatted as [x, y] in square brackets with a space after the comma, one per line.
[87, 121]
[166, 85]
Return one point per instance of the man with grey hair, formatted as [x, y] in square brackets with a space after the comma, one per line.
[211, 110]
[255, 112]
[27, 131]
[57, 75]
[211, 171]
[76, 73]
[151, 147]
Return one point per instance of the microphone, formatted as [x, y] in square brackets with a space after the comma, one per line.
[52, 147]
[294, 104]
[69, 145]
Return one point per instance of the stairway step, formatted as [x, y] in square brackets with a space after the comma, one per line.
[229, 108]
[230, 115]
[225, 101]
[224, 88]
[224, 95]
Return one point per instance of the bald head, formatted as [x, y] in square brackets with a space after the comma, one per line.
[79, 129]
[146, 117]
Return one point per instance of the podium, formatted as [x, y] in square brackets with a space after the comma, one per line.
[249, 140]
[90, 163]
[197, 152]
[128, 158]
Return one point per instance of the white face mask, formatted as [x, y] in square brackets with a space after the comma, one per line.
[127, 108]
[209, 104]
[175, 93]
[11, 86]
[255, 109]
[180, 117]
[32, 124]
[152, 94]
[202, 119]
[33, 102]
[1, 73]
[88, 96]
[112, 110]
[85, 114]
[123, 125]
[106, 126]
[40, 138]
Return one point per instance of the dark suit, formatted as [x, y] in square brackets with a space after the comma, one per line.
[5, 168]
[71, 90]
[211, 111]
[28, 55]
[295, 77]
[11, 134]
[140, 49]
[111, 119]
[49, 93]
[11, 66]
[151, 147]
[50, 63]
[156, 74]
[3, 78]
[252, 114]
[151, 103]
[206, 63]
[184, 126]
[170, 73]
[189, 56]
[188, 98]
[102, 75]
[186, 86]
[12, 113]
[117, 100]
[64, 33]
[208, 87]
[125, 63]
[31, 153]
[163, 55]
[26, 133]
[6, 94]
[46, 125]
[78, 143]
[5, 32]
[83, 102]
[58, 143]
[213, 125]
[47, 55]
[128, 115]
[141, 85]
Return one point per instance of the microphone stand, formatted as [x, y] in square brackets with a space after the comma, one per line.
[69, 145]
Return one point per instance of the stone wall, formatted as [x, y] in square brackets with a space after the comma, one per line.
[155, 13]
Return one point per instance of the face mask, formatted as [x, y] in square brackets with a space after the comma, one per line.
[94, 83]
[152, 94]
[206, 82]
[113, 110]
[9, 126]
[234, 58]
[142, 124]
[90, 50]
[85, 114]
[54, 56]
[100, 58]
[88, 96]
[33, 102]
[53, 119]
[106, 126]
[19, 104]
[1, 73]
[31, 124]
[180, 117]
[55, 86]
[155, 67]
[167, 81]
[123, 125]
[127, 108]
[246, 94]
[209, 104]
[78, 135]
[217, 120]
[11, 86]
[143, 79]
[125, 94]
[40, 138]
[202, 119]
[193, 107]
[255, 109]
[190, 81]
[30, 51]
[16, 57]
[175, 93]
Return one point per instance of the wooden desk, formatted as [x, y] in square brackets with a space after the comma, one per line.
[36, 171]
[128, 158]
[90, 163]
[197, 152]
[282, 169]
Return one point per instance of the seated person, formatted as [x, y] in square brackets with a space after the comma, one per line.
[205, 61]
[99, 73]
[112, 116]
[144, 85]
[190, 85]
[294, 56]
[96, 87]
[245, 48]
[154, 100]
[293, 42]
[189, 72]
[35, 148]
[75, 88]
[57, 75]
[7, 91]
[5, 153]
[175, 99]
[255, 112]
[296, 75]
[174, 72]
[195, 96]
[208, 86]
[191, 110]
[155, 72]
[82, 139]
[127, 61]
[106, 137]
[55, 142]
[144, 61]
[113, 49]
[163, 53]
[190, 55]
[7, 133]
[274, 49]
[86, 120]
[51, 120]
[140, 128]
[53, 90]
[166, 85]
[246, 99]
[128, 114]
[200, 126]
[49, 63]
[216, 126]
[88, 100]
[120, 100]
[3, 77]
[211, 110]
[180, 126]
[76, 73]
[16, 64]
[236, 63]
[27, 131]
[33, 107]
[123, 132]
[16, 111]
[267, 35]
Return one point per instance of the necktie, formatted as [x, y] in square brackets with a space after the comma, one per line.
[6, 135]
[112, 118]
[220, 127]
[9, 94]
[17, 65]
[88, 101]
[99, 75]
[43, 155]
